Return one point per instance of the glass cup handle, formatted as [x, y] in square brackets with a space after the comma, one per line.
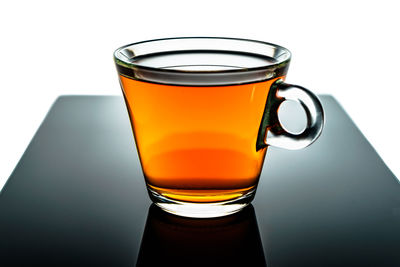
[272, 132]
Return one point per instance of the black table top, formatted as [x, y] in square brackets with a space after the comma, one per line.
[77, 198]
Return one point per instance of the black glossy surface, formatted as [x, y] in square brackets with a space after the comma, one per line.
[77, 198]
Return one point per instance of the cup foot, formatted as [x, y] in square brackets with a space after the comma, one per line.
[201, 210]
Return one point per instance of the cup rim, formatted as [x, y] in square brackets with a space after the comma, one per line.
[135, 66]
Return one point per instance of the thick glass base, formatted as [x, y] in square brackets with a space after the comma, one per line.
[201, 210]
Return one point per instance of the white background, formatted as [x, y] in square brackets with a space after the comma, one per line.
[349, 49]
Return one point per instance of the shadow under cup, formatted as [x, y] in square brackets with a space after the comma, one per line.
[170, 240]
[203, 112]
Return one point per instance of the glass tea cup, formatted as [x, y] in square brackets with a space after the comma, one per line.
[203, 112]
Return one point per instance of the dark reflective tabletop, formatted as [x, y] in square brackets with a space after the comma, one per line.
[77, 198]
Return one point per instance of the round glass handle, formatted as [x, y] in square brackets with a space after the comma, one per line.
[275, 134]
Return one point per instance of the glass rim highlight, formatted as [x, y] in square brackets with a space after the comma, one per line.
[129, 60]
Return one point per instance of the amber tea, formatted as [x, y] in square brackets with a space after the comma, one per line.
[198, 143]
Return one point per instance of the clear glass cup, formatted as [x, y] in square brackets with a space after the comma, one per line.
[203, 112]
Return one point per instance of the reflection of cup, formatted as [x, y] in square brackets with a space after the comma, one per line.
[203, 111]
[170, 240]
